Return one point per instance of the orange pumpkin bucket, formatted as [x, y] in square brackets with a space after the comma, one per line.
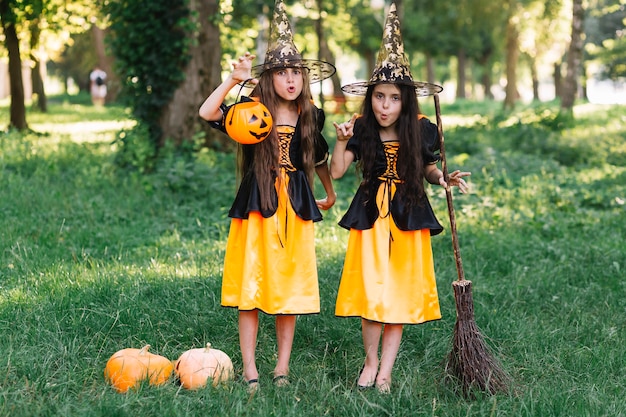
[248, 121]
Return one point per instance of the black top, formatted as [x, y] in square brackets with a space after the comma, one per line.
[300, 194]
[363, 212]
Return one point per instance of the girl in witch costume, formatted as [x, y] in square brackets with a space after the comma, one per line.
[270, 262]
[388, 277]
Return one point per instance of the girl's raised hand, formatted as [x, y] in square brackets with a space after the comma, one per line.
[242, 69]
[345, 130]
[456, 179]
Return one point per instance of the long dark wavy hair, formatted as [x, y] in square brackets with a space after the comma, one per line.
[263, 157]
[410, 165]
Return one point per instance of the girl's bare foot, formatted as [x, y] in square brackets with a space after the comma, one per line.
[383, 386]
[367, 377]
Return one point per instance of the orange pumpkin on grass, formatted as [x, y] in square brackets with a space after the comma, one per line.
[127, 368]
[196, 366]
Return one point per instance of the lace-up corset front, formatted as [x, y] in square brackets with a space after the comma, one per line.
[285, 135]
[391, 154]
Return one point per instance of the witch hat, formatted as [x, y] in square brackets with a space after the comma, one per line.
[282, 52]
[392, 64]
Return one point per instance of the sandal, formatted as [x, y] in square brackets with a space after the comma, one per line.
[281, 380]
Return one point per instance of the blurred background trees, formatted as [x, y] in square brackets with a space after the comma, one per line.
[164, 56]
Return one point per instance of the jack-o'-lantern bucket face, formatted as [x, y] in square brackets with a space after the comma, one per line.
[248, 122]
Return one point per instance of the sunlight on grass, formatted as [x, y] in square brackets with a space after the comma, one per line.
[451, 120]
[14, 296]
[83, 127]
[174, 257]
[591, 175]
[586, 109]
[86, 131]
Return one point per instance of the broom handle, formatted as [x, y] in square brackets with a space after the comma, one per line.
[446, 177]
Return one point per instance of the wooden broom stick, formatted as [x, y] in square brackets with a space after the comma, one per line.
[446, 177]
[470, 362]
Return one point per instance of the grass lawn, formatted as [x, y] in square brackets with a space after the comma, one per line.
[94, 259]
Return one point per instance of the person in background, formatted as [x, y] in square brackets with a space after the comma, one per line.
[270, 262]
[388, 277]
[98, 86]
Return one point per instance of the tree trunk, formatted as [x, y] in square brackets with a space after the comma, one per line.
[12, 44]
[430, 69]
[574, 57]
[38, 85]
[325, 54]
[370, 59]
[180, 120]
[461, 81]
[558, 81]
[534, 77]
[338, 94]
[486, 80]
[35, 74]
[512, 55]
[583, 81]
[319, 31]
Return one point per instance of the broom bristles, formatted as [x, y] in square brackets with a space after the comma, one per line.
[470, 360]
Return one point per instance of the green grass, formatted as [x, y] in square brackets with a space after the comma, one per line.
[94, 259]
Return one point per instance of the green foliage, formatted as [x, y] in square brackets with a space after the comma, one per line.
[150, 42]
[136, 150]
[368, 28]
[76, 61]
[444, 28]
[92, 261]
[612, 55]
[606, 39]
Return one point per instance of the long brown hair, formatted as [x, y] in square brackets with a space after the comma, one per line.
[410, 165]
[263, 157]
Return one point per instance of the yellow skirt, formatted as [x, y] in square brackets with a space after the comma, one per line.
[388, 274]
[270, 263]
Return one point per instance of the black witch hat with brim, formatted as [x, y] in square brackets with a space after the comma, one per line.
[282, 52]
[392, 64]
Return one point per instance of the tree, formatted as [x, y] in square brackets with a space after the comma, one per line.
[150, 47]
[431, 32]
[75, 60]
[465, 29]
[9, 18]
[544, 29]
[366, 33]
[168, 57]
[605, 37]
[35, 74]
[517, 13]
[324, 51]
[512, 54]
[28, 16]
[574, 57]
[179, 120]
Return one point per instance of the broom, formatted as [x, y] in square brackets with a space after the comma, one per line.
[470, 361]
